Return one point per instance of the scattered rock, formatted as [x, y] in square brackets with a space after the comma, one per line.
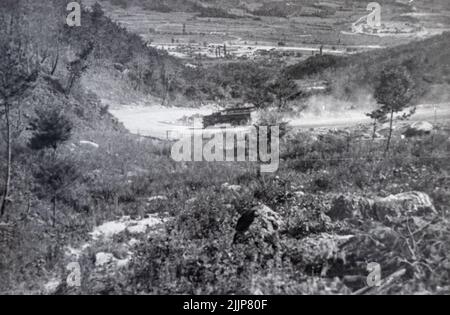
[156, 198]
[90, 144]
[419, 128]
[73, 253]
[137, 172]
[52, 286]
[299, 194]
[103, 259]
[110, 229]
[234, 188]
[109, 262]
[141, 226]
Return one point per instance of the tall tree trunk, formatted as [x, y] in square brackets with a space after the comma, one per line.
[374, 131]
[166, 99]
[8, 160]
[54, 210]
[388, 145]
[55, 63]
[70, 84]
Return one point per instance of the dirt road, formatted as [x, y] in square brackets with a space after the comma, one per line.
[335, 120]
[164, 123]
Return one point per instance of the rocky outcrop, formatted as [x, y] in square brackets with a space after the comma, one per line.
[381, 209]
[419, 128]
[125, 224]
[111, 249]
[406, 204]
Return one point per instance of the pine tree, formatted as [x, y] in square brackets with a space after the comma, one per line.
[50, 129]
[394, 93]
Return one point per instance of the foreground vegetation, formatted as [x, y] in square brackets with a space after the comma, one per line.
[194, 252]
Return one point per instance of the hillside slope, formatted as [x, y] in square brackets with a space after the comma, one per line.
[427, 60]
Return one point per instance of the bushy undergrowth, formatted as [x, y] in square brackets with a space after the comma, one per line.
[197, 256]
[196, 253]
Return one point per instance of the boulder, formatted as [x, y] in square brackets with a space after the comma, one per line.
[268, 220]
[406, 204]
[381, 209]
[107, 261]
[103, 259]
[419, 128]
[261, 224]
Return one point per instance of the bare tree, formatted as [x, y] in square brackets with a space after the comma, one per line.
[78, 66]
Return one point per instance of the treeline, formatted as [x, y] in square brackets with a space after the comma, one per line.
[158, 5]
[260, 84]
[281, 9]
[166, 6]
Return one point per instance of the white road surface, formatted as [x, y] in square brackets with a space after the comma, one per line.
[163, 122]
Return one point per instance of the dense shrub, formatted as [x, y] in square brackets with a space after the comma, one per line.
[313, 65]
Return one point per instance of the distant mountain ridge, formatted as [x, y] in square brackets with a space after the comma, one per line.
[267, 7]
[226, 9]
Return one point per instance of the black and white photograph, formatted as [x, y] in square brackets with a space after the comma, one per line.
[234, 149]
